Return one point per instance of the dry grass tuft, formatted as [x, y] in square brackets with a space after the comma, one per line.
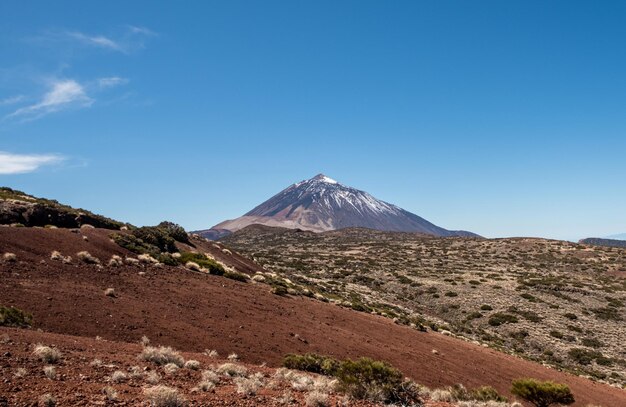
[153, 378]
[232, 370]
[47, 354]
[162, 355]
[192, 365]
[48, 400]
[316, 399]
[163, 396]
[147, 259]
[9, 257]
[144, 341]
[171, 368]
[210, 376]
[212, 353]
[193, 266]
[86, 257]
[135, 372]
[20, 372]
[248, 386]
[118, 377]
[233, 357]
[115, 261]
[110, 292]
[109, 393]
[50, 372]
[131, 261]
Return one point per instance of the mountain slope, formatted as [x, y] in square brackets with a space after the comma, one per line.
[226, 315]
[596, 241]
[322, 204]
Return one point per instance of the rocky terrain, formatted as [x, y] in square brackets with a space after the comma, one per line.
[91, 309]
[127, 315]
[554, 302]
[20, 209]
[321, 204]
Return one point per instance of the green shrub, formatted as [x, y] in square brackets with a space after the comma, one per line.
[556, 334]
[364, 378]
[312, 362]
[153, 240]
[175, 231]
[458, 392]
[233, 275]
[10, 316]
[486, 307]
[155, 236]
[451, 294]
[570, 316]
[592, 342]
[542, 394]
[584, 356]
[501, 318]
[375, 380]
[607, 314]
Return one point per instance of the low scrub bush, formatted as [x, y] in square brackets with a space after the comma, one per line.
[163, 396]
[248, 385]
[375, 380]
[50, 372]
[47, 354]
[362, 379]
[316, 399]
[202, 261]
[542, 394]
[10, 316]
[86, 257]
[48, 400]
[501, 318]
[119, 377]
[162, 355]
[583, 356]
[233, 275]
[232, 369]
[192, 365]
[115, 261]
[312, 362]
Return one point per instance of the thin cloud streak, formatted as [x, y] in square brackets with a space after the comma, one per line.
[11, 100]
[112, 81]
[63, 94]
[24, 163]
[131, 40]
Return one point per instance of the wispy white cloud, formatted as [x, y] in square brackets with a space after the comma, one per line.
[141, 30]
[132, 39]
[111, 81]
[23, 163]
[97, 41]
[11, 100]
[63, 94]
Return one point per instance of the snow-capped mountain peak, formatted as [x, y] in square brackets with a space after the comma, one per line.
[321, 203]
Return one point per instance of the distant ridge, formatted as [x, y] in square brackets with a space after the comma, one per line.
[321, 204]
[595, 241]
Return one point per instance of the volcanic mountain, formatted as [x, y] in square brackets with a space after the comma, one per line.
[321, 204]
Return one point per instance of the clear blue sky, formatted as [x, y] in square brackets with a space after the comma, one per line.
[505, 118]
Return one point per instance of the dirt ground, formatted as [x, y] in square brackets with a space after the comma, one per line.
[193, 312]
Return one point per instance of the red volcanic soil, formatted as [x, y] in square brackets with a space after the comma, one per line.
[194, 311]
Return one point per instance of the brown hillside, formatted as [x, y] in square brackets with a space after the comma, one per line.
[194, 311]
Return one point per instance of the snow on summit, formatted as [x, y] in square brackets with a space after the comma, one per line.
[320, 204]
